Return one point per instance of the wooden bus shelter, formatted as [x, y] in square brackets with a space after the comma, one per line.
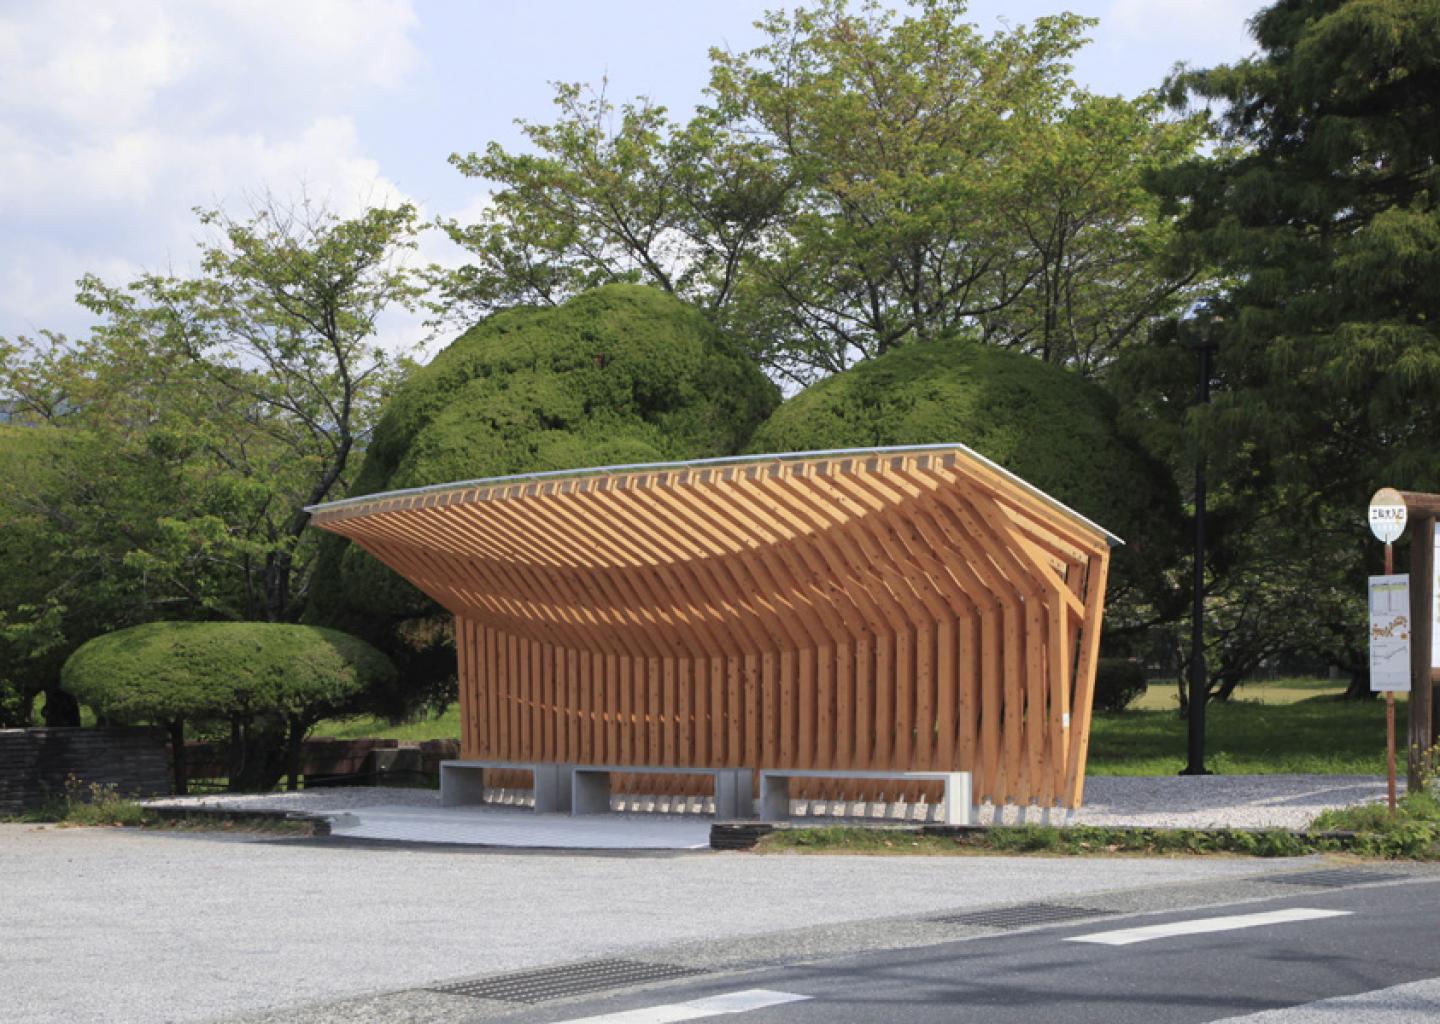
[902, 609]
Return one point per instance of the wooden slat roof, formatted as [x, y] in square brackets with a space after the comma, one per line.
[673, 474]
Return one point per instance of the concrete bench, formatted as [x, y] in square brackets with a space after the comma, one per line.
[590, 786]
[463, 782]
[775, 789]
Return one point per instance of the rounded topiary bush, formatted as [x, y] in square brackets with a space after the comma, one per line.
[622, 374]
[166, 670]
[271, 681]
[1042, 422]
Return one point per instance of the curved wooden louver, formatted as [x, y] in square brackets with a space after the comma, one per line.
[915, 609]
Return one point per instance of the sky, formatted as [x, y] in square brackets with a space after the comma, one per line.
[119, 117]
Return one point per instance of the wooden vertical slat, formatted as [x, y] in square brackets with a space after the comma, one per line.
[573, 750]
[684, 709]
[925, 683]
[613, 753]
[947, 698]
[1084, 692]
[864, 734]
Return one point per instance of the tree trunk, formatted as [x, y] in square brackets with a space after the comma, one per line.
[61, 709]
[257, 754]
[295, 742]
[235, 757]
[177, 756]
[1228, 682]
[1359, 688]
[277, 586]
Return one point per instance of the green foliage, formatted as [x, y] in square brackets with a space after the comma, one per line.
[98, 804]
[859, 180]
[1413, 832]
[1118, 682]
[1041, 422]
[1078, 840]
[159, 468]
[622, 374]
[162, 671]
[619, 374]
[1320, 211]
[205, 412]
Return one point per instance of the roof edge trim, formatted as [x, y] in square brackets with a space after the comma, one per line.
[721, 460]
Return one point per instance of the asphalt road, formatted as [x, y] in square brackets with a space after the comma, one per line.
[1377, 959]
[103, 926]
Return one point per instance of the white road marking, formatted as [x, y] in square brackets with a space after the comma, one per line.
[711, 1006]
[1125, 936]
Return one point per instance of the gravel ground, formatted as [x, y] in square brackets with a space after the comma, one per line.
[1216, 801]
[1414, 1003]
[131, 927]
[1213, 801]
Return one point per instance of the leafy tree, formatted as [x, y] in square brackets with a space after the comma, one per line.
[90, 539]
[621, 374]
[261, 678]
[859, 181]
[184, 436]
[1319, 210]
[278, 332]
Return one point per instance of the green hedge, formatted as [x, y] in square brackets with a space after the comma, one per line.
[192, 670]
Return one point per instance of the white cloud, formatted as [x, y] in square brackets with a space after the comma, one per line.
[1218, 23]
[117, 118]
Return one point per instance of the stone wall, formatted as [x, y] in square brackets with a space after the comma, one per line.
[325, 759]
[34, 763]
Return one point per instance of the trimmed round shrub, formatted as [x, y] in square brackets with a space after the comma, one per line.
[1042, 422]
[1119, 682]
[621, 374]
[163, 671]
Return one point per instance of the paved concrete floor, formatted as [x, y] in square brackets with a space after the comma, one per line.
[128, 927]
[518, 827]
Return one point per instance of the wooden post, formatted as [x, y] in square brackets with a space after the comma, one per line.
[1422, 565]
[1390, 707]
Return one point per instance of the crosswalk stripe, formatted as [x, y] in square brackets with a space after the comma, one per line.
[710, 1006]
[1126, 936]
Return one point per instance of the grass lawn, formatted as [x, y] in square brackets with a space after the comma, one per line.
[1163, 696]
[1311, 735]
[443, 727]
[1282, 727]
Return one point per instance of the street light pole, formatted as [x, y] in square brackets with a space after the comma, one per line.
[1205, 345]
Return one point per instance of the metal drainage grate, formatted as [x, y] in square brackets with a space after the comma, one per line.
[1021, 916]
[1333, 878]
[549, 983]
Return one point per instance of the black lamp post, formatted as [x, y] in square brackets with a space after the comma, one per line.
[1200, 335]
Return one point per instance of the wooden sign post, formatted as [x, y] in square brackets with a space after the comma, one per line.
[1422, 611]
[1387, 633]
[1424, 509]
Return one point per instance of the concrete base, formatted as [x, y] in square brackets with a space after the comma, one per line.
[775, 790]
[590, 788]
[463, 782]
[513, 827]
